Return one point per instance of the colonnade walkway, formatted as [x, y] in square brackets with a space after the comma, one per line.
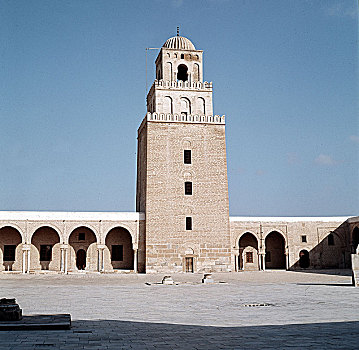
[251, 310]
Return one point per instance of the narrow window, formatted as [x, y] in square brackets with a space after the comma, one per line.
[45, 252]
[9, 252]
[117, 253]
[188, 188]
[81, 236]
[268, 257]
[187, 156]
[330, 239]
[304, 239]
[188, 223]
[249, 257]
[182, 56]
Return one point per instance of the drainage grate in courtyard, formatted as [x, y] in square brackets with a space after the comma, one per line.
[256, 305]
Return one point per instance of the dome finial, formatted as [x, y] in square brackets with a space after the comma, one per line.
[177, 30]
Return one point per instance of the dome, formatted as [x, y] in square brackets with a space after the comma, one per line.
[179, 42]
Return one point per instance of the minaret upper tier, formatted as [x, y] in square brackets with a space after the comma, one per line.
[179, 86]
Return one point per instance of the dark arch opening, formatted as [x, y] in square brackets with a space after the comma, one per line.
[275, 251]
[10, 238]
[80, 239]
[44, 240]
[304, 261]
[355, 239]
[119, 243]
[81, 259]
[247, 260]
[182, 72]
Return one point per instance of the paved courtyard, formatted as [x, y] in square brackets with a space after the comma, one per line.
[249, 310]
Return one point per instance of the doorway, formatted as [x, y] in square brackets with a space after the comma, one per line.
[304, 261]
[189, 264]
[81, 259]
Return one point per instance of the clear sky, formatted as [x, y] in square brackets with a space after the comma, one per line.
[285, 74]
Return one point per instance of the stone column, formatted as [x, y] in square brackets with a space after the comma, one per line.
[101, 257]
[23, 260]
[259, 261]
[63, 264]
[286, 258]
[135, 250]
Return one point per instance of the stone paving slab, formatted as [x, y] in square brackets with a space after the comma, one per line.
[38, 322]
[315, 310]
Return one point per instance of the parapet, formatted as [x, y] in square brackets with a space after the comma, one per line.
[183, 118]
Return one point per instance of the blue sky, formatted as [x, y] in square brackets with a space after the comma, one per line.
[73, 95]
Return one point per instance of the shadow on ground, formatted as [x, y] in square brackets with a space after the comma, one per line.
[334, 272]
[112, 334]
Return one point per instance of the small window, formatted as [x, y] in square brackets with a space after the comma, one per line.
[187, 156]
[182, 55]
[304, 239]
[9, 252]
[268, 257]
[117, 253]
[82, 236]
[249, 257]
[188, 188]
[45, 252]
[330, 239]
[188, 223]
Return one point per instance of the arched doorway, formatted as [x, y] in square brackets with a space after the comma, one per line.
[275, 251]
[304, 260]
[45, 247]
[248, 252]
[10, 240]
[355, 239]
[81, 259]
[83, 252]
[119, 244]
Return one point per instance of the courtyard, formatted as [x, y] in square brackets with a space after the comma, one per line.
[248, 310]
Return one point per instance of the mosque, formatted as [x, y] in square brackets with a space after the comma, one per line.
[181, 222]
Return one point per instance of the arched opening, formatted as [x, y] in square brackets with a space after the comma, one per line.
[169, 71]
[355, 239]
[304, 261]
[81, 259]
[196, 72]
[275, 251]
[10, 240]
[45, 246]
[168, 105]
[185, 106]
[182, 72]
[119, 244]
[248, 252]
[83, 240]
[201, 106]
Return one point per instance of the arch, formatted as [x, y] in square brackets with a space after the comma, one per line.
[355, 239]
[169, 71]
[45, 249]
[275, 250]
[82, 237]
[119, 248]
[168, 105]
[182, 72]
[54, 227]
[196, 75]
[201, 106]
[304, 260]
[185, 106]
[17, 228]
[88, 226]
[10, 248]
[248, 251]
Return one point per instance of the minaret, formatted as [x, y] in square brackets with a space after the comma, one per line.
[182, 169]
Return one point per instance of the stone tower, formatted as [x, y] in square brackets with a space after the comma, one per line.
[182, 169]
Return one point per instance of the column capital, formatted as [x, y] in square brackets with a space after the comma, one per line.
[64, 246]
[26, 247]
[135, 246]
[101, 246]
